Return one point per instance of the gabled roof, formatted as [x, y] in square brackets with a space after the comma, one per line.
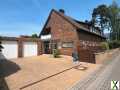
[71, 20]
[74, 22]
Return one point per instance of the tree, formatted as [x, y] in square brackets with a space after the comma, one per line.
[114, 17]
[34, 35]
[99, 17]
[108, 18]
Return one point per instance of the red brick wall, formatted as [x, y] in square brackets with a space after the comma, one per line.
[88, 37]
[86, 55]
[20, 48]
[39, 48]
[62, 30]
[86, 52]
[66, 51]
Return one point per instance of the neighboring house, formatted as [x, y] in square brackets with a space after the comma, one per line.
[67, 34]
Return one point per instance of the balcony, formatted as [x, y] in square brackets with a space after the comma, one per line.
[45, 37]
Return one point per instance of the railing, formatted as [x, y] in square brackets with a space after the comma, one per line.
[46, 37]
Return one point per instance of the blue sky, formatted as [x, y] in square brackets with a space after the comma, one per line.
[24, 17]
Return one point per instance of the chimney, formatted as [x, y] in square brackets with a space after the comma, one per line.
[61, 11]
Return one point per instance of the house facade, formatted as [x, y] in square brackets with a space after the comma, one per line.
[67, 34]
[59, 32]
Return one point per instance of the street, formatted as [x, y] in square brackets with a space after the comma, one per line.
[101, 79]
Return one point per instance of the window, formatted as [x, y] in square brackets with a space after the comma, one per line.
[67, 45]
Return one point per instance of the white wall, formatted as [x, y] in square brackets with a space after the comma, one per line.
[10, 49]
[30, 49]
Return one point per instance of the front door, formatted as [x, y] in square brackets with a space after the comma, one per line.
[46, 47]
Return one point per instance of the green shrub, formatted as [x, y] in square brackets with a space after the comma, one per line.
[114, 44]
[1, 47]
[56, 53]
[34, 35]
[105, 45]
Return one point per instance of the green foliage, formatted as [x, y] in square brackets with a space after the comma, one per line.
[114, 16]
[34, 35]
[99, 17]
[1, 47]
[108, 18]
[110, 45]
[56, 53]
[114, 44]
[105, 45]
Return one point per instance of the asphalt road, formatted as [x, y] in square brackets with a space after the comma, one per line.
[101, 80]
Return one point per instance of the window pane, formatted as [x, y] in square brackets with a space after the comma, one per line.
[67, 45]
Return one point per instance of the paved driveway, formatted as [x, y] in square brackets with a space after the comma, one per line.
[43, 72]
[101, 79]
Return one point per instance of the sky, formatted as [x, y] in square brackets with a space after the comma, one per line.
[25, 17]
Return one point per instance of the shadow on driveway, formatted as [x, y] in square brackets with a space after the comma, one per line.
[7, 68]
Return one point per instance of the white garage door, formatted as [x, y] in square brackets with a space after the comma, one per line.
[10, 49]
[30, 49]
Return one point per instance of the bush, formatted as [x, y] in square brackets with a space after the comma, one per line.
[56, 53]
[1, 47]
[34, 35]
[114, 44]
[105, 45]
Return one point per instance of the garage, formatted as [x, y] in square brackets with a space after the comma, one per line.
[18, 47]
[30, 49]
[10, 49]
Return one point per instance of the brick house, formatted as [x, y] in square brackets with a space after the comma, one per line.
[67, 34]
